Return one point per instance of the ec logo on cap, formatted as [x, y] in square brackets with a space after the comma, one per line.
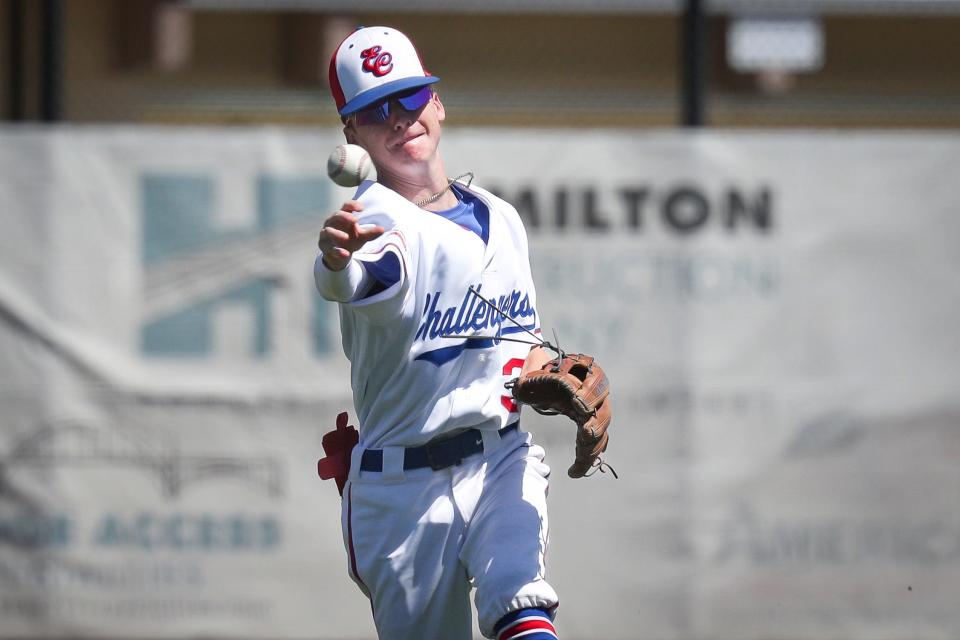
[379, 64]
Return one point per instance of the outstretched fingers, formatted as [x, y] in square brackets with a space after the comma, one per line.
[365, 234]
[342, 235]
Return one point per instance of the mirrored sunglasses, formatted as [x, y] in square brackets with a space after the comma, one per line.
[411, 101]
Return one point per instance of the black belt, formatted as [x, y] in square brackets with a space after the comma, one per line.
[436, 455]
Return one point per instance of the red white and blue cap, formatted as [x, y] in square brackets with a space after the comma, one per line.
[371, 64]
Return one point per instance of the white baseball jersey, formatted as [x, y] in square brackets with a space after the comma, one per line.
[419, 540]
[414, 372]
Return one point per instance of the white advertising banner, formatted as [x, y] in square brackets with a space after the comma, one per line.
[777, 313]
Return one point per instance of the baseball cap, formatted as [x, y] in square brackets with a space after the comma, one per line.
[371, 64]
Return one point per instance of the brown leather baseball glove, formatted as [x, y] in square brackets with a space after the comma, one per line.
[574, 385]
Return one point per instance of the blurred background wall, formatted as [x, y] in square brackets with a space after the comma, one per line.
[849, 63]
[746, 209]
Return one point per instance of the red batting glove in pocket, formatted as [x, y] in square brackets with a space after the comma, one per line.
[338, 444]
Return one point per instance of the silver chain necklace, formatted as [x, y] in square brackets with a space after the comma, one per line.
[436, 196]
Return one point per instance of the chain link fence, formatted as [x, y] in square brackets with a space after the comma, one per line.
[773, 64]
[850, 71]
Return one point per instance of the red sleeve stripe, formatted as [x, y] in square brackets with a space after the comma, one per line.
[530, 627]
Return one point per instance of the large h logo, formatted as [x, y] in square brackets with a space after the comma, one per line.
[217, 263]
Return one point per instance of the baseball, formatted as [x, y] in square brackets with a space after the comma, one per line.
[349, 165]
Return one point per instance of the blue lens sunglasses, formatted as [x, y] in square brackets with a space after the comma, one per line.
[410, 100]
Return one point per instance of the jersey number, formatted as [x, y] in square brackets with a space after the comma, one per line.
[513, 367]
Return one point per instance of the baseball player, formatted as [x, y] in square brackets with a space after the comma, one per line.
[445, 492]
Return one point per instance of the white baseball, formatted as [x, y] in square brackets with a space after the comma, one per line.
[349, 165]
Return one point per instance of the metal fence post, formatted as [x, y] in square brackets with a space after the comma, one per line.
[694, 48]
[51, 35]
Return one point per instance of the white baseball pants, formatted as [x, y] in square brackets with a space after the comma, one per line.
[417, 541]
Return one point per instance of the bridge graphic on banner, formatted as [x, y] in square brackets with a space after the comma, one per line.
[77, 445]
[213, 266]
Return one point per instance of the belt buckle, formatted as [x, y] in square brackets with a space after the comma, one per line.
[435, 464]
